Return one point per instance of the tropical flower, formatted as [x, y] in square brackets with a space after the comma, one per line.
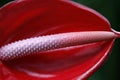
[52, 40]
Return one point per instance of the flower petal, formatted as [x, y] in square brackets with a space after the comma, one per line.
[22, 19]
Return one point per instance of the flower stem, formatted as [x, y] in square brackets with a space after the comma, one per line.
[117, 33]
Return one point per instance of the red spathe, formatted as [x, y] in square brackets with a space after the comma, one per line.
[23, 19]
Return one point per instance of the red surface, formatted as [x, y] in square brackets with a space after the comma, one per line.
[22, 19]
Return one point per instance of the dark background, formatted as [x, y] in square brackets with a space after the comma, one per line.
[111, 10]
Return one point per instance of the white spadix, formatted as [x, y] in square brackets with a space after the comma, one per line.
[50, 42]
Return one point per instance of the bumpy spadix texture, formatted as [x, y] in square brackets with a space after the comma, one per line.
[51, 42]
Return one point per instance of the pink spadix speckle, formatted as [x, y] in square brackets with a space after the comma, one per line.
[31, 46]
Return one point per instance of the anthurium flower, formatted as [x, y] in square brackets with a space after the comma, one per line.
[52, 40]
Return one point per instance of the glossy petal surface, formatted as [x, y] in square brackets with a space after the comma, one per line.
[23, 19]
